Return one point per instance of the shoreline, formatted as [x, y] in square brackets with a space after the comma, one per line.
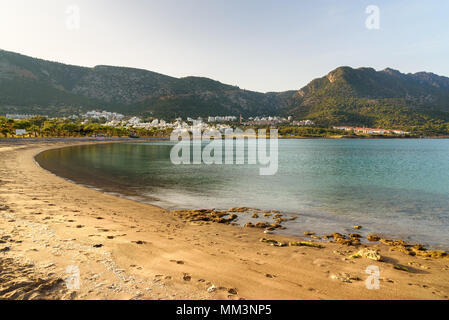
[312, 228]
[15, 140]
[128, 250]
[314, 220]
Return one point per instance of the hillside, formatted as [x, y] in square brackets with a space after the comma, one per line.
[345, 96]
[365, 96]
[36, 86]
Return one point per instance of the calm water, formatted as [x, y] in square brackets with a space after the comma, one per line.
[395, 187]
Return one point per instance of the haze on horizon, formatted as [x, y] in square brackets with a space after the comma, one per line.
[260, 45]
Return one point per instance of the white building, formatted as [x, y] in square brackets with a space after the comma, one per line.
[103, 114]
[21, 132]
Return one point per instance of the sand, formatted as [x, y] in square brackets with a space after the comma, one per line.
[51, 228]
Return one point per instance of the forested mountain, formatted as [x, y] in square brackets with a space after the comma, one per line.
[375, 98]
[345, 96]
[36, 86]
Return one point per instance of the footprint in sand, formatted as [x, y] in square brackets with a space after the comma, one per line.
[158, 277]
[187, 277]
[232, 291]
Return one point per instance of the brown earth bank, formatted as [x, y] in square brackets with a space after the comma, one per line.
[124, 249]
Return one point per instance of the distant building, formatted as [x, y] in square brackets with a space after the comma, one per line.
[222, 119]
[303, 123]
[22, 116]
[371, 131]
[103, 114]
[21, 132]
[264, 121]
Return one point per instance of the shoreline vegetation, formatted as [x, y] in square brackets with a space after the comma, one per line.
[129, 250]
[41, 127]
[416, 103]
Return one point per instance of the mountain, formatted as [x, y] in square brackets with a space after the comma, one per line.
[365, 96]
[37, 86]
[345, 96]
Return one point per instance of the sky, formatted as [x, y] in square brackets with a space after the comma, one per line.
[261, 45]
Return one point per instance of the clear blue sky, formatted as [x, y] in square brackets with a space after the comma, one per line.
[263, 45]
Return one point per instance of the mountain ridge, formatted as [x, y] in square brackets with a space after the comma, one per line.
[346, 95]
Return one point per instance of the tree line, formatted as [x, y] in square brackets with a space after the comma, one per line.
[40, 127]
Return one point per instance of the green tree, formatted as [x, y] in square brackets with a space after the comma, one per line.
[49, 128]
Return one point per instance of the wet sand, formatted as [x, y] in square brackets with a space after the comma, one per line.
[129, 250]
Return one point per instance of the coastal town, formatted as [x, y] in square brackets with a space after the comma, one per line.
[106, 123]
[107, 119]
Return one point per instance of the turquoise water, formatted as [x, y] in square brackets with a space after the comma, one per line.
[396, 187]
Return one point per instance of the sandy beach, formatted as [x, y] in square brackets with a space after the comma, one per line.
[128, 250]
